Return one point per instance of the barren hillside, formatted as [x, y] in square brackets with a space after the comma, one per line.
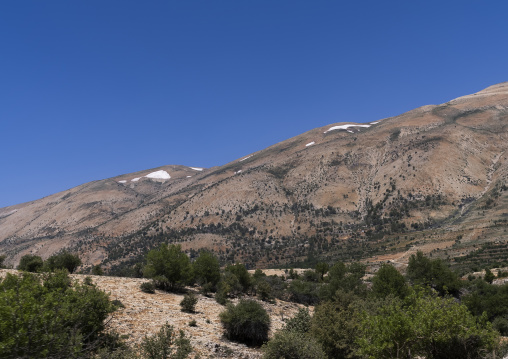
[434, 178]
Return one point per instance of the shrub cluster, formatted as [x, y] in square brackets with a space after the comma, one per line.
[246, 322]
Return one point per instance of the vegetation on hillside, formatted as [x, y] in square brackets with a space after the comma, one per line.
[428, 313]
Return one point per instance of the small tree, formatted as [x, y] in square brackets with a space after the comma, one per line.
[246, 322]
[169, 267]
[388, 281]
[2, 259]
[30, 263]
[206, 269]
[63, 260]
[242, 274]
[322, 268]
[489, 276]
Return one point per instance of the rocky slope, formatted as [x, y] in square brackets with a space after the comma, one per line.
[434, 178]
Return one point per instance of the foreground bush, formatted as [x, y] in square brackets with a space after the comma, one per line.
[50, 318]
[246, 322]
[425, 326]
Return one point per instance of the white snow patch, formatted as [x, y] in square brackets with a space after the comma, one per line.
[243, 159]
[135, 179]
[310, 144]
[344, 127]
[122, 181]
[350, 131]
[239, 171]
[189, 176]
[374, 123]
[159, 175]
[196, 168]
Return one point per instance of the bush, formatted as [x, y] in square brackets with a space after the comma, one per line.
[97, 270]
[246, 322]
[188, 303]
[52, 318]
[2, 260]
[264, 290]
[169, 267]
[293, 345]
[30, 263]
[300, 322]
[242, 274]
[388, 281]
[63, 260]
[425, 326]
[147, 287]
[165, 345]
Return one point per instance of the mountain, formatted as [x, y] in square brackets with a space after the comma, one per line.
[434, 179]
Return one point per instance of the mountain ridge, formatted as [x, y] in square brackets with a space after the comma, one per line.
[338, 191]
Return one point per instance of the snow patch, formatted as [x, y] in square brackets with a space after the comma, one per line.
[159, 175]
[243, 159]
[344, 127]
[239, 171]
[374, 123]
[135, 179]
[350, 131]
[196, 168]
[310, 144]
[122, 181]
[189, 176]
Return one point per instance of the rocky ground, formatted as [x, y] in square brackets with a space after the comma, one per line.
[144, 314]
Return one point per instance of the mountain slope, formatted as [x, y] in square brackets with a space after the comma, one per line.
[344, 191]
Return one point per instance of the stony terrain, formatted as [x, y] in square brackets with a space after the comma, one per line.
[144, 314]
[434, 179]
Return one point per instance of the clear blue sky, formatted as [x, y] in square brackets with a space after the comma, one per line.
[94, 89]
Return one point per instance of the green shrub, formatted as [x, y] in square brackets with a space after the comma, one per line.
[206, 289]
[97, 270]
[166, 345]
[193, 323]
[169, 267]
[63, 260]
[293, 345]
[246, 322]
[425, 326]
[388, 281]
[242, 274]
[300, 322]
[228, 286]
[147, 287]
[189, 302]
[206, 269]
[30, 263]
[51, 318]
[264, 290]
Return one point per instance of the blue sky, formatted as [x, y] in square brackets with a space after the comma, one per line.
[94, 89]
